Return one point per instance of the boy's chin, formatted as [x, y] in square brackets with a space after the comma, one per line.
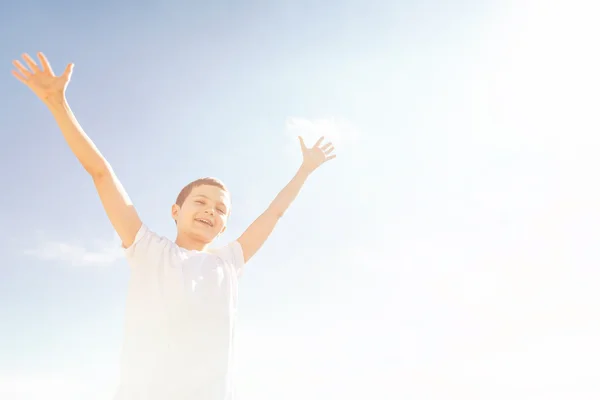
[202, 235]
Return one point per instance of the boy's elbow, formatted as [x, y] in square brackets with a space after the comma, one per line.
[98, 171]
[276, 210]
[275, 213]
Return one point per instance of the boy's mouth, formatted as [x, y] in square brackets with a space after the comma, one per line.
[204, 221]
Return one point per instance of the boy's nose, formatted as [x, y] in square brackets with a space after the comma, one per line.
[210, 211]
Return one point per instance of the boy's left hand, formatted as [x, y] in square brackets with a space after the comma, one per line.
[314, 157]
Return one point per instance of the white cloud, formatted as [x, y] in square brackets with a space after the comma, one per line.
[103, 252]
[25, 387]
[51, 386]
[340, 132]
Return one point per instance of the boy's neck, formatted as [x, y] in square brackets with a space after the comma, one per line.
[188, 243]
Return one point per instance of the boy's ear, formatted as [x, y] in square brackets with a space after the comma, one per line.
[223, 230]
[175, 211]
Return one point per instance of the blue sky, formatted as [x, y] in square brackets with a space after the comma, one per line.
[450, 251]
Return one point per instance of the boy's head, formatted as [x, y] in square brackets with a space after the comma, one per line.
[201, 209]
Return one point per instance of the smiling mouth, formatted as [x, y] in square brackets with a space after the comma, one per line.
[204, 221]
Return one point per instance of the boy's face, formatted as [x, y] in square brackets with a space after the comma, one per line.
[204, 213]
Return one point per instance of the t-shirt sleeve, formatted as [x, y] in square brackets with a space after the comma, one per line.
[146, 246]
[234, 256]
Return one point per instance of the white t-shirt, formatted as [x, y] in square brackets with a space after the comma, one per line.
[180, 321]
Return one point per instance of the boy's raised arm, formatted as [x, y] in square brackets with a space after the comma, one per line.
[51, 90]
[258, 232]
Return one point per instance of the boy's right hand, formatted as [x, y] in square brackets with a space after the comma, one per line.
[41, 80]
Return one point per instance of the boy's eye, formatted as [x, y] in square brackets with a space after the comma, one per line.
[221, 211]
[200, 201]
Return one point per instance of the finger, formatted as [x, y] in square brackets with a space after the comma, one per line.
[330, 157]
[21, 68]
[302, 144]
[20, 77]
[319, 142]
[326, 146]
[30, 63]
[329, 151]
[68, 71]
[45, 64]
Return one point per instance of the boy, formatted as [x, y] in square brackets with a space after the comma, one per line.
[182, 299]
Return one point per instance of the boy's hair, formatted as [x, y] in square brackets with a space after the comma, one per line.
[185, 192]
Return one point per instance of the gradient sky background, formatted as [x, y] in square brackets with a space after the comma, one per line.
[449, 252]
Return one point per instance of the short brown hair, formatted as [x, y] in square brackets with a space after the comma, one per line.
[185, 192]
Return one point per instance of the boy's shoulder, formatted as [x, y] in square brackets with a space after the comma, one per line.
[230, 253]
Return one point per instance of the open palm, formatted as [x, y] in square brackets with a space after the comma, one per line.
[314, 157]
[41, 80]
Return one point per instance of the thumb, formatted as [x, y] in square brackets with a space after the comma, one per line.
[68, 71]
[302, 144]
